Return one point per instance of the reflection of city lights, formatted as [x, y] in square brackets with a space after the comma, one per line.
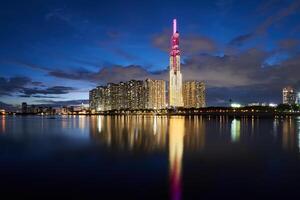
[176, 134]
[81, 122]
[3, 123]
[298, 132]
[155, 125]
[235, 130]
[288, 134]
[275, 127]
[99, 123]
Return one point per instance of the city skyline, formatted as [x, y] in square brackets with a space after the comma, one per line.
[61, 50]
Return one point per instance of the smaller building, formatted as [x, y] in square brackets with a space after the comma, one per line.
[289, 95]
[24, 107]
[298, 98]
[92, 99]
[194, 94]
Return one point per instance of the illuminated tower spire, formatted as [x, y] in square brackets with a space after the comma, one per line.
[174, 26]
[175, 82]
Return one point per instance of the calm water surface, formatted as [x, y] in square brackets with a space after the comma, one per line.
[149, 157]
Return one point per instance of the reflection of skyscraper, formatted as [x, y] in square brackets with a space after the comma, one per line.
[176, 144]
[175, 81]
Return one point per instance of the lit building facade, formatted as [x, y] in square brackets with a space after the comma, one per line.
[289, 95]
[175, 77]
[92, 99]
[155, 94]
[194, 94]
[135, 95]
[130, 95]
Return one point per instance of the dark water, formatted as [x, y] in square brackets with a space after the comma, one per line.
[144, 157]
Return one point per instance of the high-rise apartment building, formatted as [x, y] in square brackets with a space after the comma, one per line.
[194, 94]
[135, 94]
[155, 94]
[131, 95]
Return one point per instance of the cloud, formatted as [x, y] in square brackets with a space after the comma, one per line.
[288, 43]
[47, 91]
[62, 103]
[114, 73]
[239, 40]
[7, 107]
[271, 20]
[192, 44]
[220, 96]
[282, 13]
[13, 84]
[228, 70]
[124, 54]
[241, 69]
[25, 87]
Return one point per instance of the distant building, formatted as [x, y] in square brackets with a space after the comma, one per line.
[93, 99]
[289, 95]
[194, 94]
[24, 107]
[155, 94]
[298, 98]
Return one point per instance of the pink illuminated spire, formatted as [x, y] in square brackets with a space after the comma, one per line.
[174, 26]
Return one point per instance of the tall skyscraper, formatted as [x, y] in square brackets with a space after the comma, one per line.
[288, 95]
[193, 94]
[175, 78]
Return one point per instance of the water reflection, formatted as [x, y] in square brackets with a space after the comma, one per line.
[176, 136]
[187, 150]
[130, 132]
[298, 133]
[195, 133]
[288, 134]
[3, 126]
[235, 130]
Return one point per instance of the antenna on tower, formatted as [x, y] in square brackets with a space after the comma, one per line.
[174, 26]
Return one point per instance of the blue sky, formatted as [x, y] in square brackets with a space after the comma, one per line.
[58, 50]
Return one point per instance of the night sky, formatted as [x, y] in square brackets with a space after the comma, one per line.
[53, 51]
